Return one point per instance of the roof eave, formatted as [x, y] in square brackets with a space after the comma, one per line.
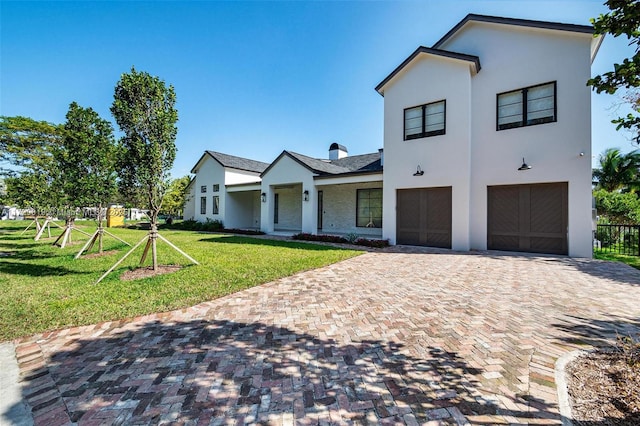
[474, 63]
[588, 29]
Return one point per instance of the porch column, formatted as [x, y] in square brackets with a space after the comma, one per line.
[310, 209]
[266, 209]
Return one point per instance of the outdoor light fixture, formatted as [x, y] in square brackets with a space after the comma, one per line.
[524, 166]
[263, 197]
[306, 195]
[419, 171]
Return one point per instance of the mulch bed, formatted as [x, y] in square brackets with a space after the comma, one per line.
[604, 389]
[147, 272]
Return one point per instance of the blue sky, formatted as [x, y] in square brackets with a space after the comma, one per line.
[251, 78]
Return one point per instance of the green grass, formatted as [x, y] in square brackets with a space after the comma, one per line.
[629, 260]
[43, 288]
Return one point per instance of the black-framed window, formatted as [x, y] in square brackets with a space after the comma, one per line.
[216, 187]
[527, 107]
[276, 202]
[369, 208]
[203, 205]
[425, 120]
[203, 188]
[216, 204]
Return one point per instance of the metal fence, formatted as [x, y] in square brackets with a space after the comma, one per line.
[621, 239]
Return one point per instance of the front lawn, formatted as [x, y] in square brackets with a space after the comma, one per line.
[44, 288]
[615, 257]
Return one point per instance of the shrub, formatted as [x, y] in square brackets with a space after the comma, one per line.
[365, 242]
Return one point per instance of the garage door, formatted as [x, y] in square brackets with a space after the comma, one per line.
[423, 217]
[531, 218]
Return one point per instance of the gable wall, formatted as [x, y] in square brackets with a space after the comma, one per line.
[513, 58]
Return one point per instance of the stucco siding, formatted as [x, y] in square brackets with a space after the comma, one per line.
[209, 173]
[444, 158]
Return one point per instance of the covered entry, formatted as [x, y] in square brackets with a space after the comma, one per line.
[530, 218]
[423, 217]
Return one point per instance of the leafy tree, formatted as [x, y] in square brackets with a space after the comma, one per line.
[144, 108]
[617, 207]
[27, 143]
[618, 171]
[623, 19]
[87, 159]
[28, 190]
[176, 196]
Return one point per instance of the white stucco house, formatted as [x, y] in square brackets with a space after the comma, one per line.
[497, 117]
[487, 145]
[225, 188]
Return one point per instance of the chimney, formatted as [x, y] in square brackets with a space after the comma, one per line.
[337, 151]
[381, 151]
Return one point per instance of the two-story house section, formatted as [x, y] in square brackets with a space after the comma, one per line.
[487, 139]
[226, 188]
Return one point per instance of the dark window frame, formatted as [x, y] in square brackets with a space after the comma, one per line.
[203, 189]
[524, 122]
[276, 202]
[423, 133]
[216, 187]
[358, 191]
[203, 205]
[216, 204]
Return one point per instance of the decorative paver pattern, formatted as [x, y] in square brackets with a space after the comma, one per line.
[404, 336]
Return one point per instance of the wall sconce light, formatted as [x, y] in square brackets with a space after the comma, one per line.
[419, 171]
[263, 197]
[524, 166]
[306, 195]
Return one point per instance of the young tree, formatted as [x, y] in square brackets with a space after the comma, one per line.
[87, 157]
[623, 19]
[144, 108]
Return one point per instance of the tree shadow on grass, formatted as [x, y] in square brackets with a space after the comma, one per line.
[19, 268]
[233, 239]
[254, 373]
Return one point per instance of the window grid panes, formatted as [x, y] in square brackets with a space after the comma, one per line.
[369, 208]
[216, 204]
[216, 187]
[203, 205]
[425, 120]
[527, 107]
[203, 188]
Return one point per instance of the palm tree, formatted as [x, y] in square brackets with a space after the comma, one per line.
[618, 171]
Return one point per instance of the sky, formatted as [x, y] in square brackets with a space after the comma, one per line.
[253, 78]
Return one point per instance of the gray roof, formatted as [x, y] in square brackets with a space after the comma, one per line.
[233, 162]
[348, 165]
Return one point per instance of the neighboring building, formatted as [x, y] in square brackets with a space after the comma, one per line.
[492, 94]
[226, 188]
[461, 119]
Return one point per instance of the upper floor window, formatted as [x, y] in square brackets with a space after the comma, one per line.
[425, 120]
[527, 107]
[216, 187]
[203, 188]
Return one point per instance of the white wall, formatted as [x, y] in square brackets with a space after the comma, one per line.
[189, 212]
[242, 210]
[445, 158]
[209, 173]
[473, 155]
[516, 58]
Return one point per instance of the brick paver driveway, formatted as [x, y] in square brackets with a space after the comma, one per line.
[387, 337]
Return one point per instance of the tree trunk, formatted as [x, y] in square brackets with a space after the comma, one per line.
[100, 233]
[154, 254]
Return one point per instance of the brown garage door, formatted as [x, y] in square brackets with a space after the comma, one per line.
[423, 217]
[531, 218]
